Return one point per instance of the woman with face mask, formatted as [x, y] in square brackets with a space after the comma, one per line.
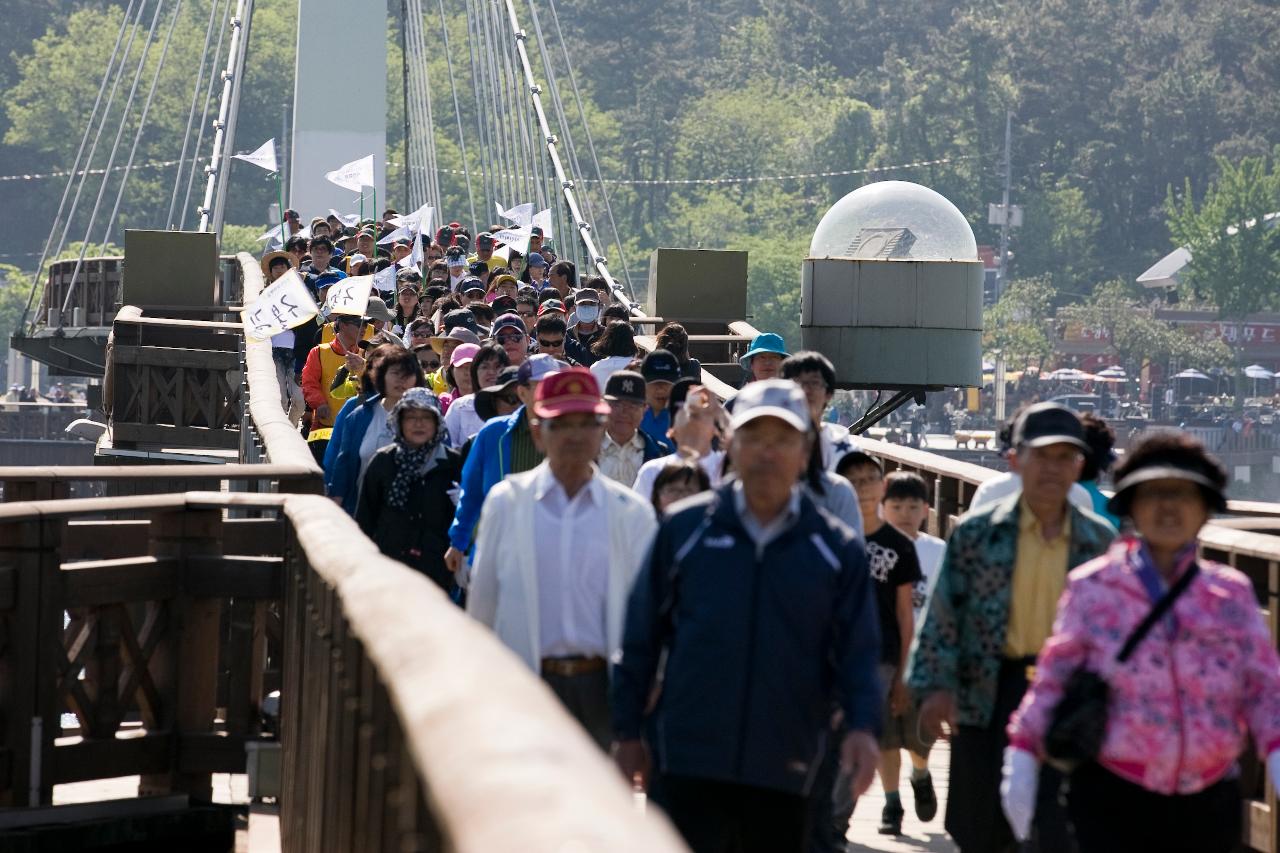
[404, 501]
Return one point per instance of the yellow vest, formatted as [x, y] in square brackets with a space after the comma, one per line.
[330, 361]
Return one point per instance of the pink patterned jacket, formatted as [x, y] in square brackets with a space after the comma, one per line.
[1180, 705]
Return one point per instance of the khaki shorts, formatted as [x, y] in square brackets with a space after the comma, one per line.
[903, 731]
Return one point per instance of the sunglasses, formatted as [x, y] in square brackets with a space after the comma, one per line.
[513, 338]
[557, 343]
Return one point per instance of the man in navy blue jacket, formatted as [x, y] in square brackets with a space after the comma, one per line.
[766, 612]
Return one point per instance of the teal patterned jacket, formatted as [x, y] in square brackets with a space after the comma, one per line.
[959, 644]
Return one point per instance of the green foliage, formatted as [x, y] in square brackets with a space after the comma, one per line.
[1235, 248]
[1136, 336]
[1022, 323]
[15, 287]
[242, 238]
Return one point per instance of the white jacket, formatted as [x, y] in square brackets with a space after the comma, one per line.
[503, 591]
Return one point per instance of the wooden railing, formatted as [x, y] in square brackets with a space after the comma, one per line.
[953, 483]
[173, 383]
[152, 633]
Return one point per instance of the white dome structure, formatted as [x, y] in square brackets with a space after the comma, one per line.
[892, 290]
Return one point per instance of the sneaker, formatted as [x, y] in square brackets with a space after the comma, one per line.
[926, 799]
[891, 819]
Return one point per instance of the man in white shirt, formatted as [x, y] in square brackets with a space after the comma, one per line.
[626, 447]
[696, 423]
[558, 549]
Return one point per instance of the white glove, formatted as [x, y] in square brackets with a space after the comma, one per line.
[1273, 767]
[1019, 780]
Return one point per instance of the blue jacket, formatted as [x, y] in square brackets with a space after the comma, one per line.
[758, 646]
[342, 456]
[487, 463]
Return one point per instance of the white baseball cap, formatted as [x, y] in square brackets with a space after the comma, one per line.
[772, 398]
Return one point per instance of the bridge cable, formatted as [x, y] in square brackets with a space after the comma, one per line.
[204, 119]
[417, 163]
[478, 102]
[142, 121]
[591, 145]
[115, 147]
[598, 261]
[191, 112]
[71, 176]
[457, 114]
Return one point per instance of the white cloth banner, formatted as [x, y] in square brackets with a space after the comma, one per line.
[385, 279]
[543, 220]
[521, 214]
[281, 305]
[354, 176]
[264, 157]
[516, 238]
[420, 220]
[402, 231]
[348, 296]
[347, 219]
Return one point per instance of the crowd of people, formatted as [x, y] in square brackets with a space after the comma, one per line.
[738, 601]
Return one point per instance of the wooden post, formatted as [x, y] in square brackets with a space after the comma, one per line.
[185, 664]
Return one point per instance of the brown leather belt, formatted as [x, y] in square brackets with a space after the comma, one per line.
[577, 665]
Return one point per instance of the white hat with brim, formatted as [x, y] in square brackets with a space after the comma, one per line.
[772, 398]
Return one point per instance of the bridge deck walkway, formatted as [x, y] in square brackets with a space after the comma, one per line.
[916, 837]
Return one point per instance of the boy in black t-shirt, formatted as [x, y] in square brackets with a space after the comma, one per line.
[893, 563]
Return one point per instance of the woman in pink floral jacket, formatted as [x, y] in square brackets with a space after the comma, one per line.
[1180, 706]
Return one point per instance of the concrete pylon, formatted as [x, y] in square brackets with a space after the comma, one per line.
[339, 103]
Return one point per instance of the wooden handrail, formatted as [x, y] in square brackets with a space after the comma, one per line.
[114, 473]
[482, 731]
[284, 444]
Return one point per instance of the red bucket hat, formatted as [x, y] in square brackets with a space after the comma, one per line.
[567, 392]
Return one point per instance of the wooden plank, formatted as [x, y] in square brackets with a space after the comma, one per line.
[97, 582]
[233, 577]
[167, 435]
[106, 758]
[176, 358]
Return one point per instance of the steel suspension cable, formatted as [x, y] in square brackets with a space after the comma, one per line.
[503, 107]
[591, 145]
[204, 119]
[71, 176]
[413, 101]
[142, 121]
[493, 106]
[478, 100]
[433, 174]
[106, 111]
[205, 58]
[115, 147]
[457, 114]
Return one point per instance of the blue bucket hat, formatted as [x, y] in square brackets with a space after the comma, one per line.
[764, 342]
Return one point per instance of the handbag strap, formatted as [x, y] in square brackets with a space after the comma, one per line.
[1158, 611]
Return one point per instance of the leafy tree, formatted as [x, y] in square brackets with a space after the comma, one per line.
[1135, 336]
[1231, 234]
[1022, 323]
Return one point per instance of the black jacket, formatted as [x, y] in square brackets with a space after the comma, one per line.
[757, 648]
[417, 535]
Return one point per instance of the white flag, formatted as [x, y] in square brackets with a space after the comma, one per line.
[402, 231]
[417, 256]
[264, 157]
[354, 175]
[521, 214]
[385, 279]
[348, 296]
[272, 238]
[420, 220]
[516, 238]
[543, 220]
[281, 305]
[349, 219]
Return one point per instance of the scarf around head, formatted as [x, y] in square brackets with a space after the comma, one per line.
[414, 463]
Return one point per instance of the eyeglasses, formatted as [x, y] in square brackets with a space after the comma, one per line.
[416, 417]
[514, 338]
[546, 344]
[558, 425]
[429, 365]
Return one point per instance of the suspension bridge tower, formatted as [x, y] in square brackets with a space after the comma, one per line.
[339, 102]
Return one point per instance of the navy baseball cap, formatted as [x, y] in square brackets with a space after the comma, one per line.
[660, 366]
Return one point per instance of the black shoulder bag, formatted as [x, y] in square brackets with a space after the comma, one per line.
[1079, 722]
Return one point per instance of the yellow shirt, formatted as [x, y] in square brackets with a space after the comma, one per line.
[437, 383]
[1039, 576]
[494, 261]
